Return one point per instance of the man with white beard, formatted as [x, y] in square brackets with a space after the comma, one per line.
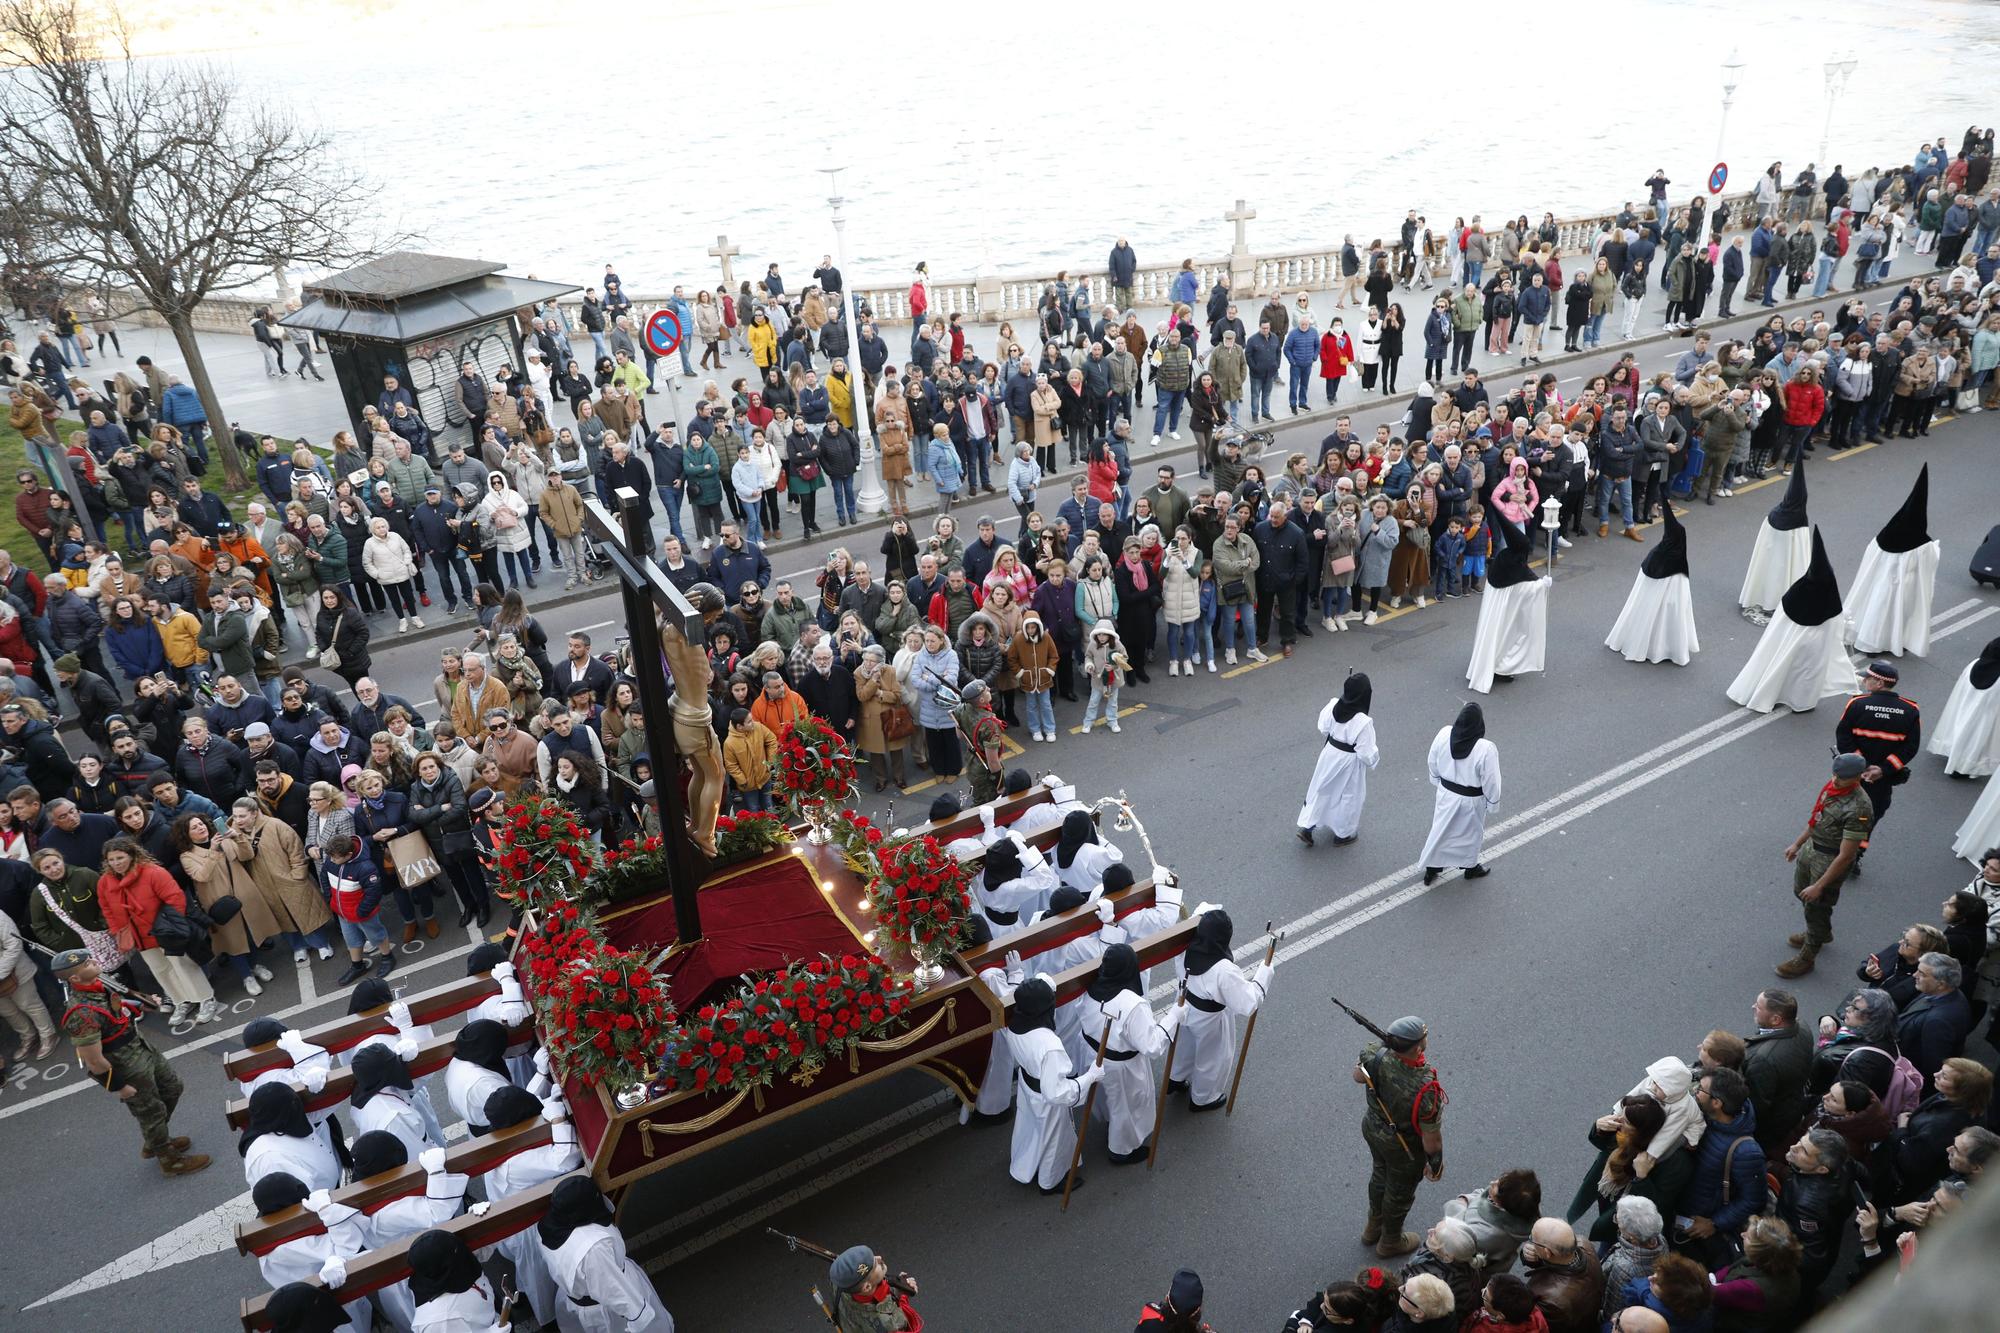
[1465, 769]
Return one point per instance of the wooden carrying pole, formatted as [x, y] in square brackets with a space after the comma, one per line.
[1166, 1077]
[1250, 1030]
[1089, 1100]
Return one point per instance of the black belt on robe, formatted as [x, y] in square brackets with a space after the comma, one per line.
[999, 918]
[1109, 1054]
[1034, 1084]
[1342, 746]
[1460, 788]
[1207, 1006]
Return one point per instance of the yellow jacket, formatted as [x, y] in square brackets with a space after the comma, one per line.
[764, 345]
[840, 399]
[181, 634]
[748, 755]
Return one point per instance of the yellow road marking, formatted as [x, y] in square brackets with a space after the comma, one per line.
[1122, 713]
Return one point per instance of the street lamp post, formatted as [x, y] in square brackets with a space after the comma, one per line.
[869, 497]
[1732, 69]
[1839, 68]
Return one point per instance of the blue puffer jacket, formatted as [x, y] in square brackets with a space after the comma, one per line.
[181, 406]
[136, 648]
[1263, 354]
[1747, 1189]
[1302, 348]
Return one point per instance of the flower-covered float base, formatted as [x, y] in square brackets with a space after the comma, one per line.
[822, 967]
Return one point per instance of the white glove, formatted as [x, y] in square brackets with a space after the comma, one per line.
[503, 971]
[1090, 1077]
[986, 817]
[1053, 783]
[406, 1048]
[400, 1015]
[1171, 1021]
[313, 1078]
[541, 1059]
[318, 1200]
[1105, 911]
[333, 1273]
[478, 1209]
[1262, 976]
[554, 1110]
[1204, 907]
[291, 1039]
[431, 1160]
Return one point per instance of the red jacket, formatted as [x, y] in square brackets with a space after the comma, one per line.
[1336, 354]
[15, 647]
[919, 299]
[134, 900]
[1103, 478]
[1804, 404]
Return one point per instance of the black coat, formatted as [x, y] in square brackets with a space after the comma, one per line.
[440, 811]
[345, 629]
[1919, 1147]
[831, 698]
[96, 701]
[221, 772]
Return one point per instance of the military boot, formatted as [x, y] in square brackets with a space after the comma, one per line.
[173, 1146]
[1373, 1231]
[181, 1163]
[1799, 964]
[1397, 1242]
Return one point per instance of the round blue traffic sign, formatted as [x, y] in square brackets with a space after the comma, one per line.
[663, 333]
[1717, 177]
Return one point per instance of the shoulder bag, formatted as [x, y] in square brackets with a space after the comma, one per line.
[329, 656]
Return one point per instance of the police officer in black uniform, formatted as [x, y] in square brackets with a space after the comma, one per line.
[1884, 728]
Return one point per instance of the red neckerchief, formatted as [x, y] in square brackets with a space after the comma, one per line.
[1832, 788]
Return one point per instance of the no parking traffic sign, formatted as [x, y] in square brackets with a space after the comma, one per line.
[663, 333]
[1717, 177]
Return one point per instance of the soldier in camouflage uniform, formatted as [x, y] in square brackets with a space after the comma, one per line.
[1405, 1106]
[108, 1042]
[1823, 855]
[982, 730]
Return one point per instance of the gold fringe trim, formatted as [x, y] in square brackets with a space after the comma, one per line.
[648, 1128]
[950, 1011]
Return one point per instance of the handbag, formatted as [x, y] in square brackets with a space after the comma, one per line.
[505, 519]
[808, 471]
[102, 947]
[410, 853]
[1341, 564]
[329, 656]
[1235, 590]
[897, 723]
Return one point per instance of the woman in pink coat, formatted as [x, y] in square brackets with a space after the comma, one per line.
[1516, 496]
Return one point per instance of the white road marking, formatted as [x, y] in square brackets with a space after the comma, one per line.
[1540, 820]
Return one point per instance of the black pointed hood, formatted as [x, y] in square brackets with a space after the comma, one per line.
[577, 1202]
[1002, 863]
[1467, 730]
[1789, 514]
[377, 1151]
[441, 1265]
[1079, 831]
[275, 1108]
[1814, 597]
[1034, 1007]
[1908, 527]
[1987, 669]
[1670, 557]
[1117, 971]
[482, 1042]
[301, 1307]
[1210, 944]
[1355, 696]
[377, 1067]
[1509, 564]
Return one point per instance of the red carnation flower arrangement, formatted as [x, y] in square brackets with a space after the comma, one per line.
[749, 835]
[815, 765]
[794, 1022]
[923, 897]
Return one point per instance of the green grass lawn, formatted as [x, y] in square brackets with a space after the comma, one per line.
[14, 455]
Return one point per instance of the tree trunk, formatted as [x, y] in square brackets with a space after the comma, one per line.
[219, 430]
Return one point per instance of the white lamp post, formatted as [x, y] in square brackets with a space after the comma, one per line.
[1839, 68]
[869, 497]
[1552, 518]
[1732, 69]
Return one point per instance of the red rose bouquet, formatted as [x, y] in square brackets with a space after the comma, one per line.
[923, 897]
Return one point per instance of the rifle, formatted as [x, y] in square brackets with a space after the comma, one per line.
[1369, 1079]
[901, 1281]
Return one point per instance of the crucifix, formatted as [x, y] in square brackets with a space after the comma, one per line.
[723, 250]
[1238, 215]
[665, 624]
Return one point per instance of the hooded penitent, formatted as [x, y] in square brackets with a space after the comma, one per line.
[947, 806]
[441, 1265]
[1002, 863]
[305, 1307]
[575, 1203]
[377, 1067]
[377, 1151]
[482, 1042]
[275, 1108]
[509, 1106]
[1065, 899]
[277, 1192]
[1079, 830]
[1118, 877]
[1814, 598]
[484, 959]
[1790, 512]
[1117, 971]
[1034, 1007]
[1987, 669]
[1908, 527]
[1670, 557]
[372, 993]
[1355, 696]
[1467, 729]
[1210, 944]
[1509, 564]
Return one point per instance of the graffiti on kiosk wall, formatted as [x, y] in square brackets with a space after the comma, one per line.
[434, 365]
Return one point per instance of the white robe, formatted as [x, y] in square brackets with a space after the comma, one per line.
[593, 1263]
[468, 1311]
[1086, 869]
[1657, 623]
[394, 1111]
[317, 1067]
[1458, 822]
[1889, 605]
[1776, 562]
[1794, 665]
[1205, 1058]
[1046, 815]
[525, 1170]
[346, 1236]
[1967, 733]
[1513, 633]
[419, 1034]
[510, 1008]
[467, 1086]
[1044, 1134]
[1127, 1097]
[1981, 829]
[310, 1161]
[1075, 953]
[1340, 779]
[443, 1199]
[996, 1086]
[1023, 896]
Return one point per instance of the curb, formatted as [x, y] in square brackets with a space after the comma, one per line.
[446, 626]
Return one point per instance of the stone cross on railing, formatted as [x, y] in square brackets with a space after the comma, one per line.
[1242, 268]
[1240, 215]
[723, 250]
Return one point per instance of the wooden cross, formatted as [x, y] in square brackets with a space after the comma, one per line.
[1238, 215]
[723, 250]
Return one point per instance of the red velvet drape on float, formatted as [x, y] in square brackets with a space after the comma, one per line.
[754, 918]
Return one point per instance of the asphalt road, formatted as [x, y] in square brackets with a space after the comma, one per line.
[1639, 898]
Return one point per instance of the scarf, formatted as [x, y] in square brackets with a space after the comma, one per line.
[1138, 572]
[1832, 788]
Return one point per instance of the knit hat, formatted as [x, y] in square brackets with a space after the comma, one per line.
[69, 662]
